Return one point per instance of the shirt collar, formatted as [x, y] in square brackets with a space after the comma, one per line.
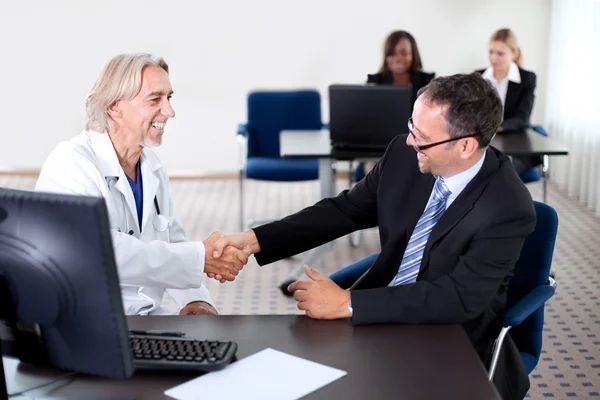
[108, 162]
[458, 182]
[513, 73]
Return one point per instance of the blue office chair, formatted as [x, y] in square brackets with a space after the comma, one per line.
[528, 290]
[270, 112]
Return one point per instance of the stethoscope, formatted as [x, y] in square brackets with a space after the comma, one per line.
[159, 222]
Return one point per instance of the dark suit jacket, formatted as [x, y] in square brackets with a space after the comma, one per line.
[519, 101]
[418, 80]
[466, 264]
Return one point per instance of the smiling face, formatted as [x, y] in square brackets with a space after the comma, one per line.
[400, 60]
[429, 127]
[142, 119]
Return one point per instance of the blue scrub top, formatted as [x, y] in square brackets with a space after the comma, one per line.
[138, 193]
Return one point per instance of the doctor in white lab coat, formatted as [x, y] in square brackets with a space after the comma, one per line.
[127, 111]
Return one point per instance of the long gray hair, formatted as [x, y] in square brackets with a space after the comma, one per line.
[121, 79]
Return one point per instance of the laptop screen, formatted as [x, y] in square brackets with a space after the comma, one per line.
[367, 116]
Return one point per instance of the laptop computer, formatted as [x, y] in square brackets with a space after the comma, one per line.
[363, 117]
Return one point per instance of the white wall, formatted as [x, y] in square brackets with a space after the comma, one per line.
[219, 50]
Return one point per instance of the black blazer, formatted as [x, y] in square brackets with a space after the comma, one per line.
[418, 80]
[519, 101]
[466, 264]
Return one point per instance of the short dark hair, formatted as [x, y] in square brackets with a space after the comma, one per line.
[390, 44]
[474, 107]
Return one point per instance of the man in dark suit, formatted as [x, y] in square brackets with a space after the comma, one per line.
[452, 216]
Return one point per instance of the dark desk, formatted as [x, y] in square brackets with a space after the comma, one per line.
[311, 144]
[382, 361]
[528, 143]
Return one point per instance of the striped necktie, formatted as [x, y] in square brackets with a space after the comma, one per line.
[411, 263]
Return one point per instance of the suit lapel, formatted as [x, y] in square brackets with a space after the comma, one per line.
[511, 95]
[386, 266]
[461, 205]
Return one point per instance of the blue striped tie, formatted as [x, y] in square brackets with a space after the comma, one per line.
[411, 263]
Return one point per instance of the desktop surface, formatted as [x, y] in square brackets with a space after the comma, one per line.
[382, 361]
[317, 144]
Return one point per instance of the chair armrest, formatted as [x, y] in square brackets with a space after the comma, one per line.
[527, 305]
[242, 129]
[539, 129]
[242, 139]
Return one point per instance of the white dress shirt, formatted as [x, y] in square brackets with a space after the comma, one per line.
[458, 182]
[502, 86]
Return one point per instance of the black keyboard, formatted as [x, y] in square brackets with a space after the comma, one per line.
[160, 353]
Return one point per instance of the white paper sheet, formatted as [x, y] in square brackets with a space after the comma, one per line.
[268, 374]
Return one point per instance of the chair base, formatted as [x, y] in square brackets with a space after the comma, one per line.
[284, 288]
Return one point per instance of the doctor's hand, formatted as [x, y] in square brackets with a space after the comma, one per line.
[198, 308]
[228, 265]
[245, 242]
[320, 297]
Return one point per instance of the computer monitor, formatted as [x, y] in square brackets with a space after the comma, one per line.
[60, 299]
[367, 116]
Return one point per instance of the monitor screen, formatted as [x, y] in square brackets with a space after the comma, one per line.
[60, 299]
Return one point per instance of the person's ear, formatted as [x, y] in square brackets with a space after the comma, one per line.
[469, 146]
[113, 110]
[516, 54]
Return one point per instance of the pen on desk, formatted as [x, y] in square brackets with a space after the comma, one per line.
[156, 333]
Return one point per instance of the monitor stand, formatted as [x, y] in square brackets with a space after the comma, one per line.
[42, 380]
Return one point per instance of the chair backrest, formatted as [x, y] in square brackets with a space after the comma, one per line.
[270, 112]
[533, 270]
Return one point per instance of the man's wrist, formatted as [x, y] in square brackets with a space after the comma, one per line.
[252, 241]
[349, 305]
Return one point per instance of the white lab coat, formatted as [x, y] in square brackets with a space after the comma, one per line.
[151, 262]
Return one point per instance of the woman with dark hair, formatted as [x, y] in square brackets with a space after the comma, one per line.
[401, 64]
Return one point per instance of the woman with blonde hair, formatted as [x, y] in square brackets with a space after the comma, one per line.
[515, 86]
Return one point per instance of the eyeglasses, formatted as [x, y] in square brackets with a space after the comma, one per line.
[419, 149]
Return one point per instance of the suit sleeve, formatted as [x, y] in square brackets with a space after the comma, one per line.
[325, 221]
[520, 120]
[458, 296]
[373, 78]
[429, 78]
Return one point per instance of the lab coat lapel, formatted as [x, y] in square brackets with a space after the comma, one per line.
[109, 166]
[123, 186]
[150, 182]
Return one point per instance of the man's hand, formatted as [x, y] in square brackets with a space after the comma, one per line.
[320, 297]
[198, 308]
[246, 243]
[228, 265]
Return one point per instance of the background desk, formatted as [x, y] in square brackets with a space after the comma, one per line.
[311, 144]
[382, 361]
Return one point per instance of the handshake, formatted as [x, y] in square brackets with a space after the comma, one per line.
[226, 255]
